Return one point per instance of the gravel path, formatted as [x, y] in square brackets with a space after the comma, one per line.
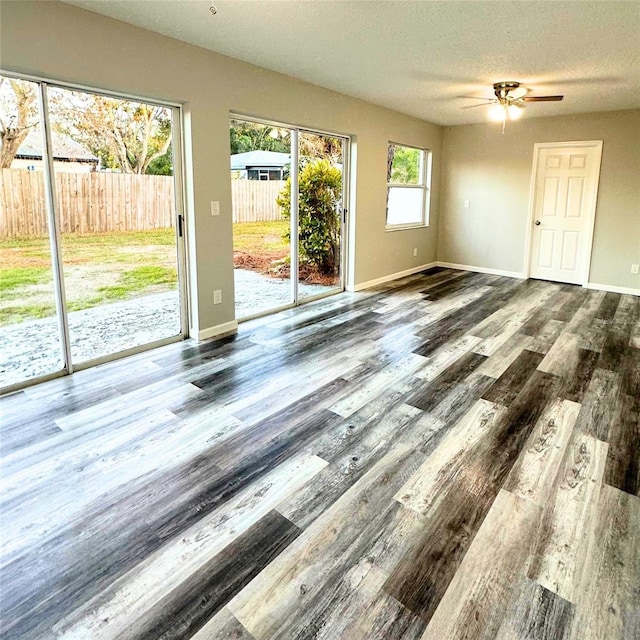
[32, 348]
[255, 293]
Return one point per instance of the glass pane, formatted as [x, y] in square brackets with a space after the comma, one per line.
[405, 205]
[29, 330]
[320, 213]
[260, 161]
[115, 189]
[404, 165]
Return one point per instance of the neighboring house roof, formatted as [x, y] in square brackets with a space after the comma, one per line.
[64, 148]
[266, 159]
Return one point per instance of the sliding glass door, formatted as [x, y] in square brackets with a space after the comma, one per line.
[288, 226]
[30, 336]
[88, 223]
[320, 213]
[260, 165]
[116, 207]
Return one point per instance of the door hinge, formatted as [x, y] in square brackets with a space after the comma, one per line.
[180, 226]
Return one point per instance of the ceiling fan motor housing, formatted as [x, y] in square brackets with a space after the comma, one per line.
[502, 89]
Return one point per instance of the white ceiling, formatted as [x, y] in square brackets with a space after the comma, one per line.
[420, 57]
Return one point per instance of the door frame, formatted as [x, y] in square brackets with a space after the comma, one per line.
[591, 219]
[347, 139]
[53, 218]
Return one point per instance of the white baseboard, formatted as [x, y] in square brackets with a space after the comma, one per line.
[614, 289]
[518, 274]
[218, 330]
[493, 272]
[392, 276]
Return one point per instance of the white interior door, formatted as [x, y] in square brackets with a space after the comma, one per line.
[564, 200]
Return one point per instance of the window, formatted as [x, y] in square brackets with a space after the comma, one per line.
[264, 174]
[408, 182]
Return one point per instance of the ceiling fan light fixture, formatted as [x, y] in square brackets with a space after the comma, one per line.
[498, 113]
[514, 110]
[510, 98]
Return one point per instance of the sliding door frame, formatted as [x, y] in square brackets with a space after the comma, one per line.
[53, 219]
[55, 235]
[344, 213]
[294, 248]
[296, 130]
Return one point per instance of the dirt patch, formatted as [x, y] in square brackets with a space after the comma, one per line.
[16, 258]
[308, 274]
[84, 280]
[260, 262]
[276, 266]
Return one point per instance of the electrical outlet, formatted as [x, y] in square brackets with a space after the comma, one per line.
[635, 268]
[217, 296]
[466, 204]
[415, 252]
[215, 207]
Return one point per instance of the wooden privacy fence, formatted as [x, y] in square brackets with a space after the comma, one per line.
[102, 202]
[255, 200]
[87, 202]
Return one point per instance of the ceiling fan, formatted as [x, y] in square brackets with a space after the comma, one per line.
[510, 99]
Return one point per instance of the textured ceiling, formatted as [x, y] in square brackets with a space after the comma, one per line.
[420, 57]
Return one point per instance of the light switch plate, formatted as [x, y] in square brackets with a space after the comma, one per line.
[215, 207]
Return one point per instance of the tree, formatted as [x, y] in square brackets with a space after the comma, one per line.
[320, 194]
[320, 146]
[127, 136]
[403, 164]
[162, 166]
[18, 115]
[254, 136]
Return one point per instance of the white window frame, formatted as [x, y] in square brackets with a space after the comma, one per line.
[424, 184]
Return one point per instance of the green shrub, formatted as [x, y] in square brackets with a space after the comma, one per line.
[319, 212]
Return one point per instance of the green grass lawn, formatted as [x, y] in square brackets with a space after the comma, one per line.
[18, 277]
[106, 267]
[98, 268]
[139, 279]
[261, 238]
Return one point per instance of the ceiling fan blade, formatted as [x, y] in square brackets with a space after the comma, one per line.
[473, 106]
[541, 98]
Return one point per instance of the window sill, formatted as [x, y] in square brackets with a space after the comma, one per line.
[405, 227]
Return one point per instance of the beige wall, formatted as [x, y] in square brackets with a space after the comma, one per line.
[493, 172]
[480, 165]
[68, 44]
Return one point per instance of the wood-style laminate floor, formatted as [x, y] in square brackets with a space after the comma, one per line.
[451, 456]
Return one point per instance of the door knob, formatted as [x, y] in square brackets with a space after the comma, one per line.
[537, 223]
